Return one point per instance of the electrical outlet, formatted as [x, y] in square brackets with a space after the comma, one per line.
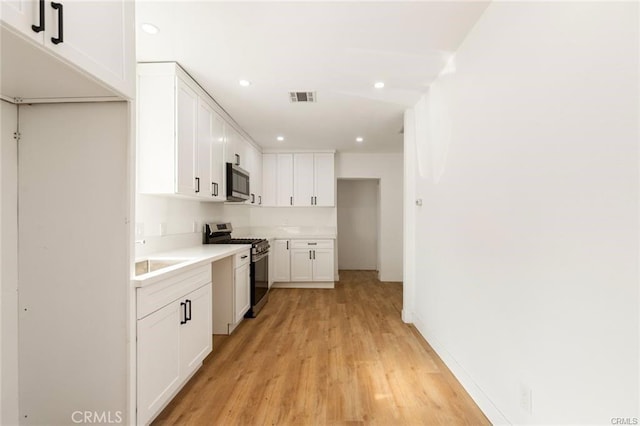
[526, 398]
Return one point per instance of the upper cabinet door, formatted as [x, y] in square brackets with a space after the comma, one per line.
[269, 179]
[98, 37]
[204, 144]
[217, 159]
[285, 179]
[22, 15]
[324, 181]
[303, 180]
[186, 182]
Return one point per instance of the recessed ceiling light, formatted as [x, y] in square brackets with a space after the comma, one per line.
[245, 83]
[280, 138]
[379, 85]
[149, 28]
[359, 139]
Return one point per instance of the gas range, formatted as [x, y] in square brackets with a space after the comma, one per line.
[220, 233]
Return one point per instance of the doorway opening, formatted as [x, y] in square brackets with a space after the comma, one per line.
[358, 212]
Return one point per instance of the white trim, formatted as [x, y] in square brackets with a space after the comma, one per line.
[495, 416]
[312, 284]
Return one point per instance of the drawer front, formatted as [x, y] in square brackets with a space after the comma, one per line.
[311, 244]
[154, 297]
[242, 258]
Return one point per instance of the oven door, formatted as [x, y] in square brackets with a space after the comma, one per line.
[259, 281]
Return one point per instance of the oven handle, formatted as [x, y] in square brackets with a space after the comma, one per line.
[259, 257]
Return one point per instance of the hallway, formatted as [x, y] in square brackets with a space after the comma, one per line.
[319, 357]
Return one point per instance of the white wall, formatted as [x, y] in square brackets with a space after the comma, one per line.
[388, 167]
[167, 223]
[358, 224]
[8, 266]
[527, 242]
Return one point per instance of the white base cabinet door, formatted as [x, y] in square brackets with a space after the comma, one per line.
[158, 361]
[195, 334]
[242, 290]
[322, 264]
[301, 265]
[281, 261]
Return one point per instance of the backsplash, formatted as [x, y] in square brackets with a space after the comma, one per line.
[168, 223]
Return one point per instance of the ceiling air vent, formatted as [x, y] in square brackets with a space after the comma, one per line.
[302, 96]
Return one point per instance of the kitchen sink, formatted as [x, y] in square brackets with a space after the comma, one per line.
[150, 265]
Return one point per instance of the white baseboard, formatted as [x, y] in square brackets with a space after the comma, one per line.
[485, 404]
[314, 284]
[407, 317]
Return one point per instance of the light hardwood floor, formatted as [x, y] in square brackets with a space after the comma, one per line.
[325, 357]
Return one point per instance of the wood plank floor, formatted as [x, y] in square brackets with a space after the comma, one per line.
[325, 357]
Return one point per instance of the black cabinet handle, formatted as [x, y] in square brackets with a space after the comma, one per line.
[197, 185]
[315, 201]
[188, 316]
[312, 244]
[60, 38]
[287, 245]
[215, 189]
[259, 200]
[253, 198]
[309, 254]
[184, 313]
[237, 159]
[314, 255]
[291, 200]
[244, 257]
[40, 26]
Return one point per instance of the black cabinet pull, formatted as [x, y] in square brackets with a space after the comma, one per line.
[188, 305]
[287, 245]
[309, 254]
[312, 244]
[291, 200]
[244, 257]
[259, 200]
[215, 189]
[184, 313]
[315, 201]
[314, 255]
[253, 198]
[197, 185]
[237, 159]
[60, 38]
[40, 26]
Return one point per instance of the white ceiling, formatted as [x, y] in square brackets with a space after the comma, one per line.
[337, 49]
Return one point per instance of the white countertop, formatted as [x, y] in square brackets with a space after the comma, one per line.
[192, 256]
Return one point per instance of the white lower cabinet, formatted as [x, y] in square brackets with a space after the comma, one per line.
[173, 339]
[242, 292]
[281, 261]
[231, 291]
[310, 260]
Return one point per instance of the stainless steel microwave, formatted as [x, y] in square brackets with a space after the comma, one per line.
[237, 183]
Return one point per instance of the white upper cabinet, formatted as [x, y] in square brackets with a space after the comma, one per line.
[269, 180]
[284, 178]
[323, 181]
[254, 167]
[186, 112]
[218, 171]
[303, 180]
[299, 179]
[96, 37]
[181, 136]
